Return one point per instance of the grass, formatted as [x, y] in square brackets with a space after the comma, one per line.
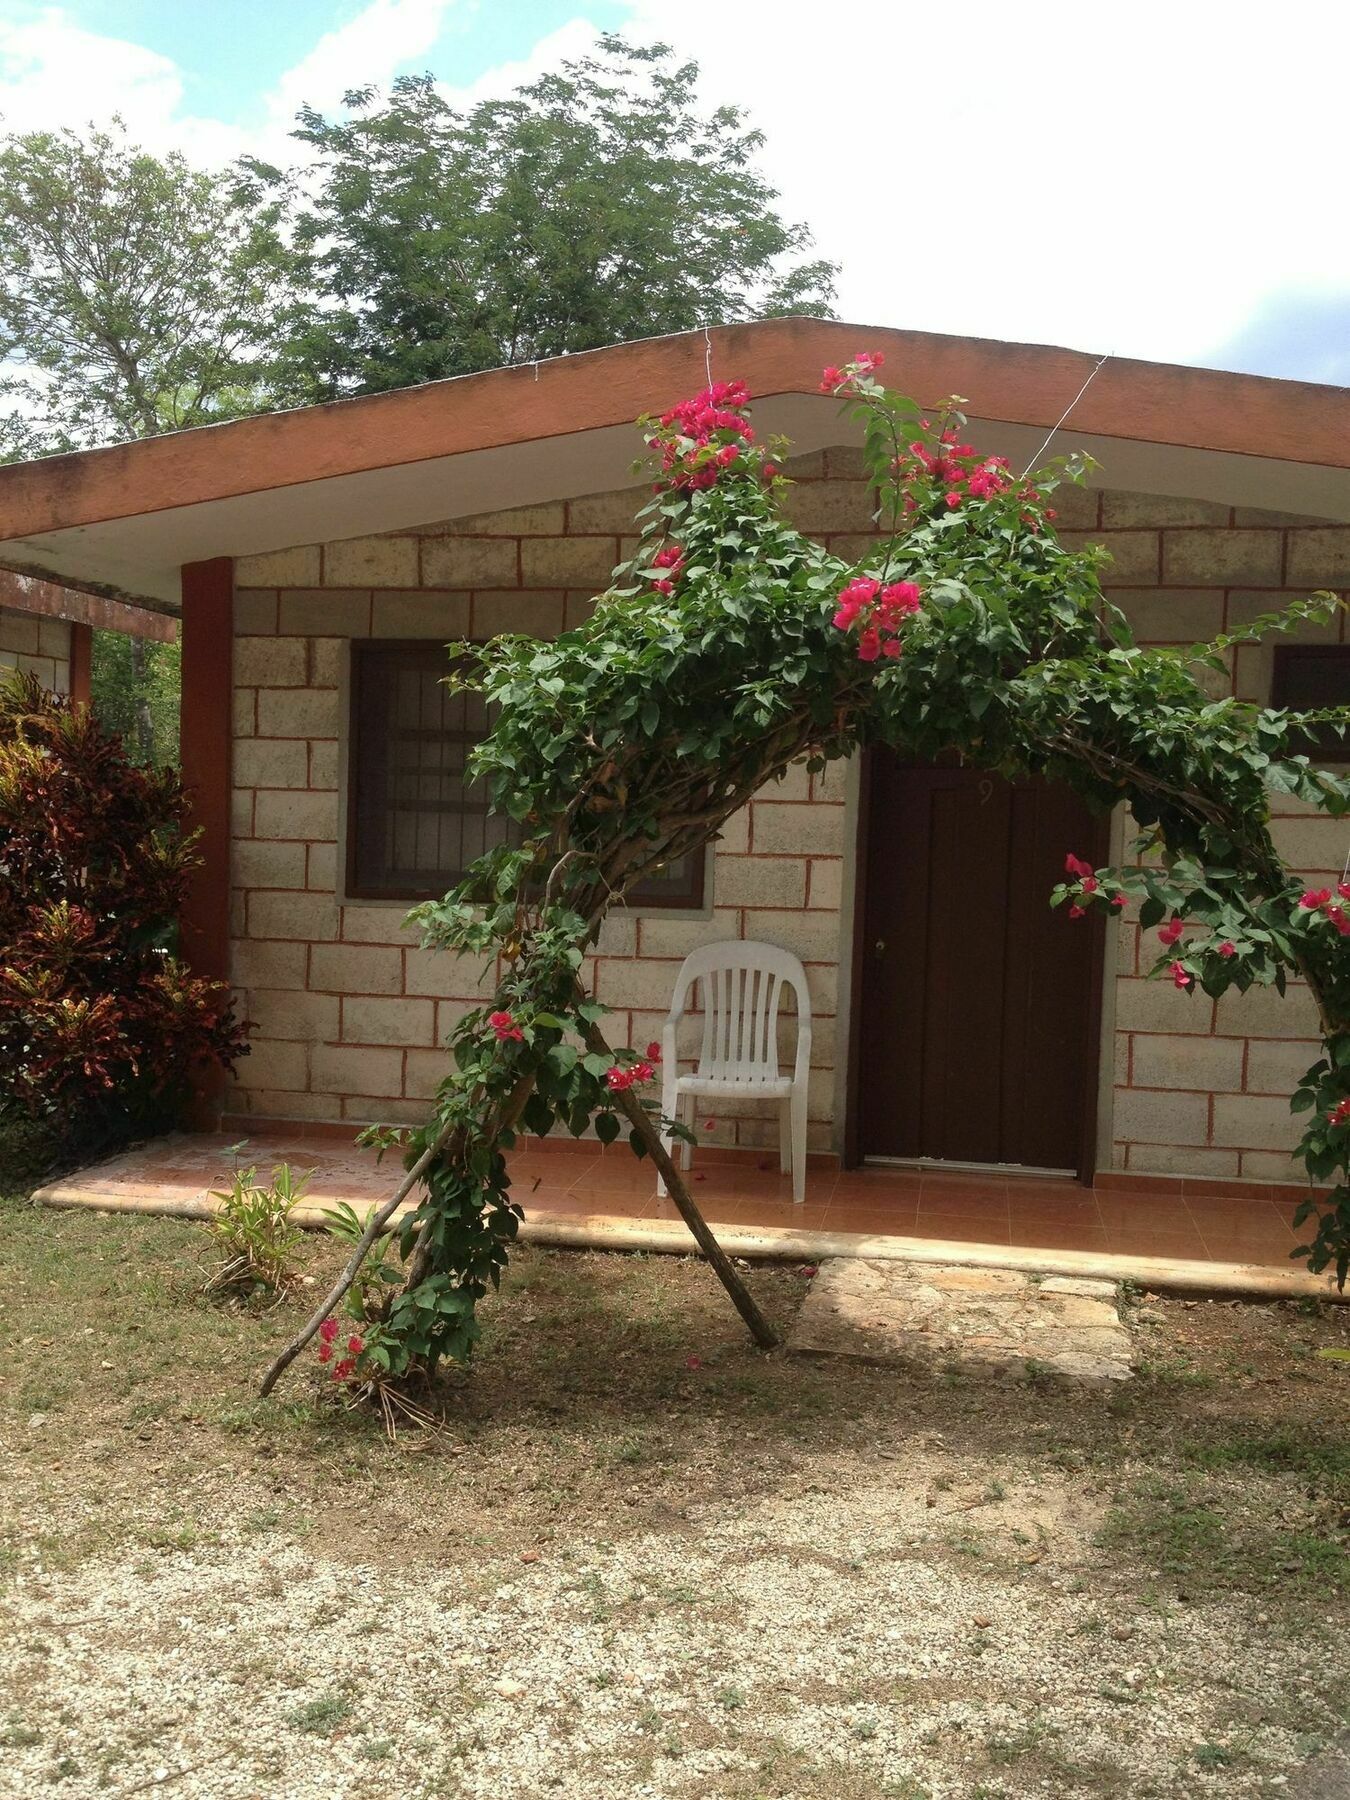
[1217, 1476]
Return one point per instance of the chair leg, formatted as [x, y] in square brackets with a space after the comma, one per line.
[785, 1137]
[669, 1102]
[799, 1143]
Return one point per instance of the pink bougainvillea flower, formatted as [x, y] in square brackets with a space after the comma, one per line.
[1077, 912]
[831, 378]
[953, 498]
[1339, 918]
[355, 1345]
[710, 1124]
[1074, 865]
[693, 1362]
[654, 1051]
[669, 557]
[618, 1078]
[342, 1371]
[1181, 976]
[325, 1353]
[1227, 948]
[664, 587]
[504, 1028]
[1340, 1112]
[1168, 934]
[328, 1330]
[1089, 884]
[1118, 900]
[867, 360]
[1314, 899]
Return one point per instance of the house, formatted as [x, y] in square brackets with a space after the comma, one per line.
[322, 557]
[47, 630]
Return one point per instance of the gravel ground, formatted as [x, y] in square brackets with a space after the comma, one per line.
[850, 1638]
[644, 1561]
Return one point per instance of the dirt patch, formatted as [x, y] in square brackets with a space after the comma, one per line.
[749, 1576]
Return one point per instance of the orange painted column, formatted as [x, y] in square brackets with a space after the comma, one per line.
[81, 663]
[205, 751]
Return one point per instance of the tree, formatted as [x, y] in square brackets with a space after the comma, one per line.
[137, 294]
[135, 687]
[729, 647]
[597, 204]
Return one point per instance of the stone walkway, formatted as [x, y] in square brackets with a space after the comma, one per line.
[997, 1321]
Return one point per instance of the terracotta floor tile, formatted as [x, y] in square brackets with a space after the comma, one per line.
[1031, 1187]
[561, 1171]
[898, 1220]
[1061, 1206]
[961, 1228]
[754, 1184]
[959, 1182]
[782, 1214]
[1148, 1240]
[1275, 1235]
[949, 1203]
[592, 1204]
[1130, 1213]
[617, 1178]
[1059, 1234]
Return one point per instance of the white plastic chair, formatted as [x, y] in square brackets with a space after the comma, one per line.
[742, 983]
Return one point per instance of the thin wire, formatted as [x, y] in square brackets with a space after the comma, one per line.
[1064, 415]
[707, 354]
[1345, 872]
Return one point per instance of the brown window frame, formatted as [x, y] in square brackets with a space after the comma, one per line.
[358, 886]
[1283, 694]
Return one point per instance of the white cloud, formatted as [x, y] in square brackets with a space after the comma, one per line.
[53, 72]
[1142, 179]
[371, 47]
[1128, 178]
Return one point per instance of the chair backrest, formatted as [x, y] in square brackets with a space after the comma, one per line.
[741, 983]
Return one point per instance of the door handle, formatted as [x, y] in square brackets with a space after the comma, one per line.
[879, 948]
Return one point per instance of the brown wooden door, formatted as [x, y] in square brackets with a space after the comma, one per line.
[977, 1002]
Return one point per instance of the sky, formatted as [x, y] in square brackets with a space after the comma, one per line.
[1149, 179]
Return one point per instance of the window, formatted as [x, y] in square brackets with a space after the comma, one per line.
[1308, 677]
[414, 822]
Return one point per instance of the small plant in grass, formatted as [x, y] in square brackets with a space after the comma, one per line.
[322, 1715]
[254, 1232]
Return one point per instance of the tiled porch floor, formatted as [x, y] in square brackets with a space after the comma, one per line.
[577, 1181]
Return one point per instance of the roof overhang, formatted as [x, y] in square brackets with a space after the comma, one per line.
[123, 520]
[30, 594]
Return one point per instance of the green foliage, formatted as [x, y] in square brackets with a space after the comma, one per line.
[729, 647]
[599, 203]
[135, 688]
[254, 1233]
[101, 1027]
[137, 294]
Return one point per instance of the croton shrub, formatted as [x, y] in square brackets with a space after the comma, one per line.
[101, 1027]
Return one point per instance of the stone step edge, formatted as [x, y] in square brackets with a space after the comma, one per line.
[601, 1231]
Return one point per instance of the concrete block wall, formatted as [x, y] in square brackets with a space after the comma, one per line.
[349, 1013]
[38, 645]
[1201, 1087]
